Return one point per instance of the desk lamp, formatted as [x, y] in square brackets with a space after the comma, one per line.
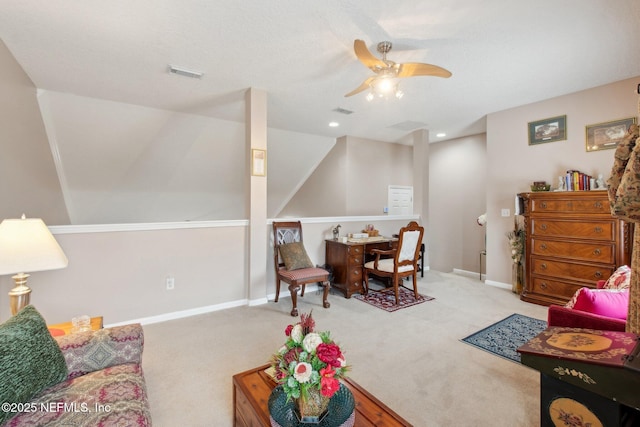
[26, 244]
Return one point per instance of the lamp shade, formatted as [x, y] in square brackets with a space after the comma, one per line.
[27, 245]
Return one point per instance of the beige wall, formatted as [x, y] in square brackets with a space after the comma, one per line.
[353, 179]
[27, 172]
[457, 171]
[512, 164]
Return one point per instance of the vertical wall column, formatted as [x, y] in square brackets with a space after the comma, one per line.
[421, 183]
[256, 122]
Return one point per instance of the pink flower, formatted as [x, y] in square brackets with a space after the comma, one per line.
[328, 384]
[287, 331]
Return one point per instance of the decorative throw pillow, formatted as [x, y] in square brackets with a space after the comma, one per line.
[620, 279]
[295, 256]
[30, 359]
[605, 302]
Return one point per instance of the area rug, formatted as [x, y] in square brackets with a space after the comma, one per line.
[387, 300]
[504, 337]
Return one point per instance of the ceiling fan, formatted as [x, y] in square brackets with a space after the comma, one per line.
[387, 71]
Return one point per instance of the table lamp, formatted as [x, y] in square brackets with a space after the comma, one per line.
[26, 244]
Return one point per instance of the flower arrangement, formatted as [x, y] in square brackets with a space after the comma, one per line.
[308, 361]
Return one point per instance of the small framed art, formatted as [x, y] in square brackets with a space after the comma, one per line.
[603, 136]
[258, 162]
[548, 130]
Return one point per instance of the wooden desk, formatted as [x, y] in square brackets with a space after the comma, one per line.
[347, 261]
[251, 391]
[65, 328]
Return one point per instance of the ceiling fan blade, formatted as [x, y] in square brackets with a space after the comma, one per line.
[363, 86]
[410, 69]
[366, 57]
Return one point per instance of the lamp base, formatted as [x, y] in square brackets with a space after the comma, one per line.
[20, 295]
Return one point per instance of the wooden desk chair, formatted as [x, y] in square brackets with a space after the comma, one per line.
[292, 264]
[403, 261]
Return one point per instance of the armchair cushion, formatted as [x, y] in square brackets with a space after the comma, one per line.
[30, 359]
[295, 256]
[604, 302]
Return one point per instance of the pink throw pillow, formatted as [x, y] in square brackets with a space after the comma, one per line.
[605, 302]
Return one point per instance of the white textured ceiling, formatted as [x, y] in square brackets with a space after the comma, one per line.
[502, 53]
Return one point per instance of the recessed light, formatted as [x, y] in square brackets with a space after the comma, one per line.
[440, 135]
[334, 124]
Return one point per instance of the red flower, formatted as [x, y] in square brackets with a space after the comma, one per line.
[287, 331]
[328, 384]
[329, 354]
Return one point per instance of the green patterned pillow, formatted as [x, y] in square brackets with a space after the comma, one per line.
[30, 359]
[295, 256]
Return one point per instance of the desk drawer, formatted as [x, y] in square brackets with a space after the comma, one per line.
[595, 230]
[596, 252]
[569, 270]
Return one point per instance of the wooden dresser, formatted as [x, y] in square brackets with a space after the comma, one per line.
[572, 241]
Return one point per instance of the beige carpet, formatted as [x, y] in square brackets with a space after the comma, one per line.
[411, 359]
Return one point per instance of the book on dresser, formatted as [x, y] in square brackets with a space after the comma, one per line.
[572, 241]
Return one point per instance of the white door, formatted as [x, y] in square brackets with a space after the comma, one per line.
[400, 200]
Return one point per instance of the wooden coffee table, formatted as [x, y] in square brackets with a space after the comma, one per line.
[251, 391]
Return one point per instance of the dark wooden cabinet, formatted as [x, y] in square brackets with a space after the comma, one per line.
[572, 241]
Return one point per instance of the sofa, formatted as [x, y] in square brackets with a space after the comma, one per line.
[604, 308]
[91, 378]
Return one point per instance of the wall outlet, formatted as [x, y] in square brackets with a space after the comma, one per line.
[506, 212]
[171, 283]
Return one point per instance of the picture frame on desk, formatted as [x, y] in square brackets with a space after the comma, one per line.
[607, 135]
[548, 130]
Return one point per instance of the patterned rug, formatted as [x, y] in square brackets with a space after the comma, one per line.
[504, 337]
[387, 300]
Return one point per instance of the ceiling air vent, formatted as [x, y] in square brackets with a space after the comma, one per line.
[343, 111]
[185, 73]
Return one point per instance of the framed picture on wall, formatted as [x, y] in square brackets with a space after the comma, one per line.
[548, 130]
[603, 136]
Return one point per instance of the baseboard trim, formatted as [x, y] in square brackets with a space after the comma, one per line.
[181, 314]
[498, 284]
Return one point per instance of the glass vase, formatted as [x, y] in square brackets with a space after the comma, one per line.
[312, 408]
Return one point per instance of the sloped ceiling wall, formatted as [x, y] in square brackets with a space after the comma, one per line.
[28, 182]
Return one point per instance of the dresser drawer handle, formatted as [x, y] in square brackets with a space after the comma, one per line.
[357, 261]
[356, 250]
[597, 205]
[598, 274]
[598, 229]
[597, 252]
[543, 285]
[543, 226]
[543, 205]
[543, 247]
[543, 266]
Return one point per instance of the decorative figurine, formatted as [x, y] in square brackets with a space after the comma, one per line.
[561, 183]
[600, 182]
[336, 232]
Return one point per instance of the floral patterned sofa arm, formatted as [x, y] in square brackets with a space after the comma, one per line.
[91, 351]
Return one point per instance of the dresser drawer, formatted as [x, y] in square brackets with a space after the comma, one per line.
[569, 270]
[591, 205]
[355, 250]
[596, 230]
[596, 252]
[355, 260]
[554, 288]
[354, 274]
